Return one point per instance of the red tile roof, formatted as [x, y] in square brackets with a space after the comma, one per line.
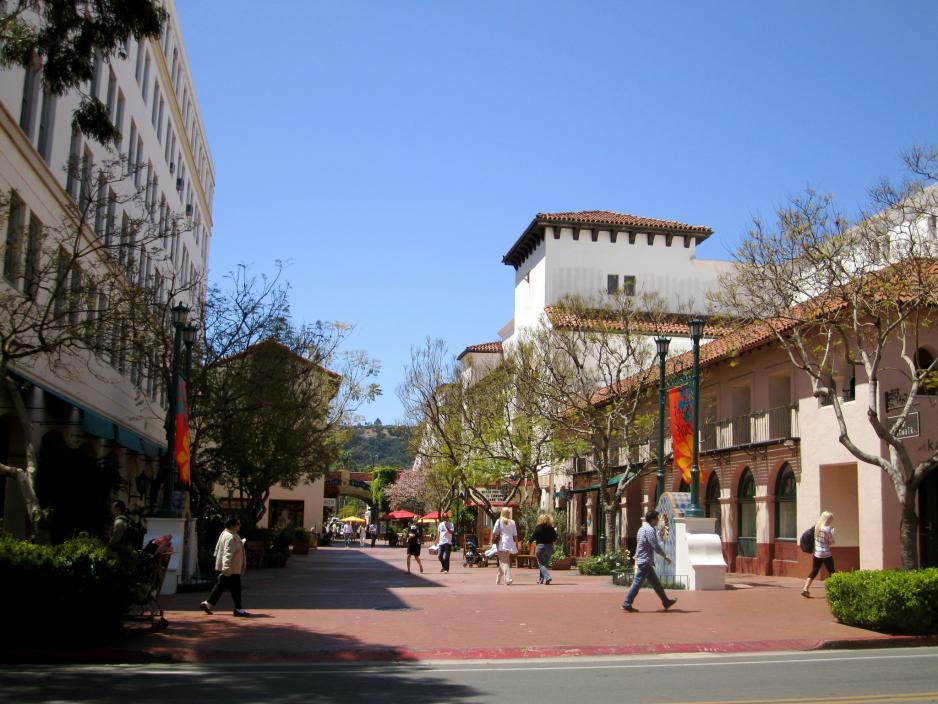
[599, 218]
[484, 348]
[670, 324]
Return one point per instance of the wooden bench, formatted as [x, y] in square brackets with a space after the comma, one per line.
[528, 559]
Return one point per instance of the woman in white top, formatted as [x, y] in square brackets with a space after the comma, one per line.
[504, 538]
[823, 539]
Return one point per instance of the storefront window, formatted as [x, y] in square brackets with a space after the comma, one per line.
[786, 505]
[746, 543]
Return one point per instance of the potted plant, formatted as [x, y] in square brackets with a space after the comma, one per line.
[300, 541]
[560, 560]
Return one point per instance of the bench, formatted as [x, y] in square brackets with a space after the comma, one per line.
[528, 559]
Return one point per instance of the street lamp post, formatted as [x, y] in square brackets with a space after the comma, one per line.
[180, 314]
[662, 343]
[696, 331]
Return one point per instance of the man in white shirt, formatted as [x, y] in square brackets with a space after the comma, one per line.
[445, 544]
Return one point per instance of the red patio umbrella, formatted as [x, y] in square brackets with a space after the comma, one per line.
[400, 514]
[433, 516]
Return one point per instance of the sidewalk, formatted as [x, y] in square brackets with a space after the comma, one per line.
[360, 604]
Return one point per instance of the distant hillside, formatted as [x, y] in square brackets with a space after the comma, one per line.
[377, 444]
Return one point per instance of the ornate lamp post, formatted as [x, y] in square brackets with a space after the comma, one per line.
[662, 343]
[696, 331]
[180, 314]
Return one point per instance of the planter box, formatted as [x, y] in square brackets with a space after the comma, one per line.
[564, 564]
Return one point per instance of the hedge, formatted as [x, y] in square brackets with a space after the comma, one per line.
[891, 601]
[74, 592]
[607, 563]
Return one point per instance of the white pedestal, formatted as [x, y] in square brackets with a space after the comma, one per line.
[699, 554]
[158, 526]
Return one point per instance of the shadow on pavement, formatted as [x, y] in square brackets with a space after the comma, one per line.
[327, 579]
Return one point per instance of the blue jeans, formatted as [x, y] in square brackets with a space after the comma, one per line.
[643, 572]
[543, 551]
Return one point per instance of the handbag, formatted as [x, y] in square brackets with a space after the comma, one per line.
[492, 551]
[433, 549]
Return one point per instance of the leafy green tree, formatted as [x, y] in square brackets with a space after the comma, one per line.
[69, 39]
[380, 478]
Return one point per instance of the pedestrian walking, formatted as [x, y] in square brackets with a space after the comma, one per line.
[373, 533]
[646, 546]
[361, 536]
[823, 539]
[444, 544]
[544, 537]
[505, 540]
[413, 549]
[230, 564]
[347, 533]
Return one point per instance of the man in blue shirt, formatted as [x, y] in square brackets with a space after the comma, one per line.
[646, 546]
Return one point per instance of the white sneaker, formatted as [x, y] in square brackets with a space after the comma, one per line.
[206, 607]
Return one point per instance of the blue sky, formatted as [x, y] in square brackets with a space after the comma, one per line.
[393, 151]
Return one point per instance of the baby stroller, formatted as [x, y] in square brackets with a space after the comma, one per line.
[471, 556]
[154, 559]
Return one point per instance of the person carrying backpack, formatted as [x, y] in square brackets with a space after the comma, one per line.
[823, 539]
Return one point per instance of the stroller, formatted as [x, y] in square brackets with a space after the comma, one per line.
[154, 559]
[471, 555]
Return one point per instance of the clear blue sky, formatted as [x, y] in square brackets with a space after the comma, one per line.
[393, 151]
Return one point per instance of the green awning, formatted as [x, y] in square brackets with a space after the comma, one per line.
[99, 426]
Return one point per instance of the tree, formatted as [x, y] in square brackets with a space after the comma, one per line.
[70, 40]
[408, 491]
[837, 294]
[75, 297]
[279, 411]
[381, 477]
[587, 370]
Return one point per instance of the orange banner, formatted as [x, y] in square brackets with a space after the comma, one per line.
[682, 431]
[181, 444]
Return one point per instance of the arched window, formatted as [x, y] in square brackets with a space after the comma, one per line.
[786, 505]
[713, 501]
[746, 495]
[924, 359]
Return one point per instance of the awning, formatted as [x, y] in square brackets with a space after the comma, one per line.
[613, 481]
[100, 426]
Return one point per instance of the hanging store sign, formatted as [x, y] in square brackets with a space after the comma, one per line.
[909, 428]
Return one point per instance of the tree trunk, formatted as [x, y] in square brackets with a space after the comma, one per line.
[26, 477]
[908, 531]
[609, 514]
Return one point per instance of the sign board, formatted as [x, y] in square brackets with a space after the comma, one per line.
[328, 503]
[909, 429]
[492, 495]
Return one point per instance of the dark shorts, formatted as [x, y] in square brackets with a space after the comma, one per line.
[415, 551]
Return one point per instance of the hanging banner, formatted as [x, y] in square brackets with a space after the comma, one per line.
[181, 444]
[682, 431]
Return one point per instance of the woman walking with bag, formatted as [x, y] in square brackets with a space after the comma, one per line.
[544, 537]
[504, 538]
[823, 539]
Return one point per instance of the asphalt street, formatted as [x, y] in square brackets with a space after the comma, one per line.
[832, 677]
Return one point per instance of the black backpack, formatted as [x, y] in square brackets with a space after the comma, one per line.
[807, 540]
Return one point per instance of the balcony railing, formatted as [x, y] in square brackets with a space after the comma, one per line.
[775, 424]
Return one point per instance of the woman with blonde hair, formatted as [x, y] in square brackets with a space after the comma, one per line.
[823, 539]
[544, 537]
[504, 538]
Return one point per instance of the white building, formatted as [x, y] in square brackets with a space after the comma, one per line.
[108, 407]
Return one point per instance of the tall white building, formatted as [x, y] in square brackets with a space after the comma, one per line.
[148, 200]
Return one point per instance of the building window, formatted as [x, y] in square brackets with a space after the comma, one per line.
[33, 252]
[850, 385]
[119, 118]
[11, 251]
[746, 496]
[612, 284]
[628, 284]
[46, 126]
[31, 86]
[73, 173]
[84, 193]
[713, 501]
[786, 505]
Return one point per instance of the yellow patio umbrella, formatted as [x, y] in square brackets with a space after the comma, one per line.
[353, 519]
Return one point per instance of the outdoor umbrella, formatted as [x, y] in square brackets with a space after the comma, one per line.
[353, 519]
[434, 516]
[400, 514]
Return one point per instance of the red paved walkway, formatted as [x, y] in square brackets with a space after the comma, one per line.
[339, 603]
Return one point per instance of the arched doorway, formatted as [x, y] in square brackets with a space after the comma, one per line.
[786, 505]
[712, 503]
[746, 498]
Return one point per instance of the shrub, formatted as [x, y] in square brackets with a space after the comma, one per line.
[891, 601]
[606, 563]
[75, 592]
